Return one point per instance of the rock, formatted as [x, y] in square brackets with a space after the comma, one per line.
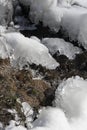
[81, 61]
[49, 96]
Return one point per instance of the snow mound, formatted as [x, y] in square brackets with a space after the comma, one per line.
[25, 50]
[6, 11]
[59, 45]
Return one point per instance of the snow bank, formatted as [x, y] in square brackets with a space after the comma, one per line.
[59, 45]
[25, 50]
[6, 11]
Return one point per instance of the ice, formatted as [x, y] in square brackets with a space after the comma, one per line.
[82, 3]
[59, 45]
[28, 50]
[74, 25]
[46, 12]
[28, 112]
[6, 11]
[4, 49]
[71, 15]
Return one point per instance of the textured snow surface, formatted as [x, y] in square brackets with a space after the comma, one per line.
[59, 45]
[23, 50]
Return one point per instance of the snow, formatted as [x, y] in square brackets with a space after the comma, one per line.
[16, 124]
[82, 3]
[2, 29]
[13, 127]
[59, 45]
[46, 12]
[28, 112]
[71, 94]
[25, 50]
[71, 15]
[4, 49]
[74, 24]
[70, 111]
[51, 119]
